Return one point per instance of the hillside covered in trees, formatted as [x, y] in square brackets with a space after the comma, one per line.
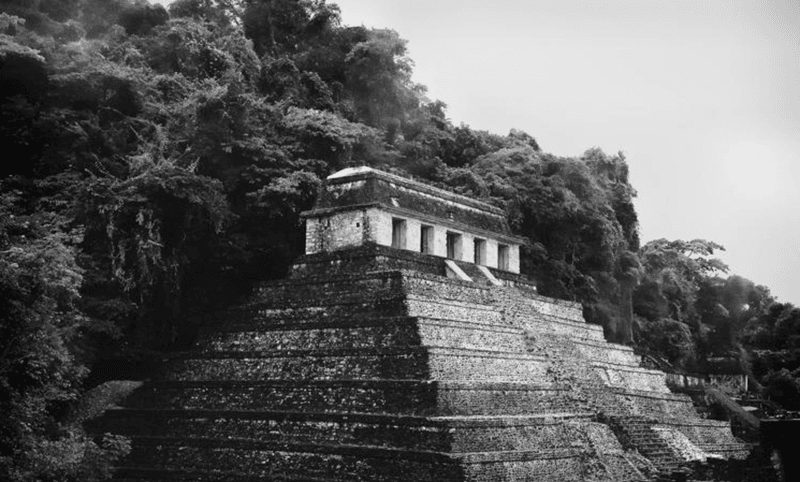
[156, 163]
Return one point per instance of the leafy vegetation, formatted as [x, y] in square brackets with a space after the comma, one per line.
[157, 162]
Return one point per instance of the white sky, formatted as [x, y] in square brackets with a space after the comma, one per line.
[703, 96]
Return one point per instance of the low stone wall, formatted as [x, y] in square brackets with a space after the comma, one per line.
[508, 398]
[616, 354]
[514, 305]
[702, 432]
[320, 291]
[474, 335]
[555, 466]
[203, 459]
[626, 376]
[468, 364]
[547, 325]
[368, 333]
[656, 405]
[363, 259]
[363, 396]
[453, 311]
[340, 312]
[436, 288]
[361, 364]
[495, 434]
[410, 363]
[465, 398]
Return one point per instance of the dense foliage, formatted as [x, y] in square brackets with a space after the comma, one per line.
[157, 162]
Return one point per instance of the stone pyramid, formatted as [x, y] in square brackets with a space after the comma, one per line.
[380, 363]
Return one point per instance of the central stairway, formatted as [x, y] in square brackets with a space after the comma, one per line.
[369, 364]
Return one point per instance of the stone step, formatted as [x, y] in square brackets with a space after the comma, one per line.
[737, 450]
[610, 352]
[436, 288]
[430, 297]
[346, 310]
[365, 259]
[373, 286]
[519, 304]
[653, 404]
[455, 310]
[628, 377]
[409, 397]
[380, 363]
[344, 463]
[374, 281]
[367, 288]
[447, 434]
[704, 433]
[543, 324]
[143, 474]
[152, 459]
[512, 302]
[254, 316]
[368, 333]
[647, 442]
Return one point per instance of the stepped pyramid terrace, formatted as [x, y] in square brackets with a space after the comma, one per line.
[405, 346]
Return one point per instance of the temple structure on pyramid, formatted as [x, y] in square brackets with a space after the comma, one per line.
[406, 346]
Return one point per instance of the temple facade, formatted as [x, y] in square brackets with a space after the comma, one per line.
[363, 205]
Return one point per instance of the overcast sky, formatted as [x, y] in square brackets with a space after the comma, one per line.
[702, 96]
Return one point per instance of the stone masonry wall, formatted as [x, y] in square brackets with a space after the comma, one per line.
[335, 231]
[380, 232]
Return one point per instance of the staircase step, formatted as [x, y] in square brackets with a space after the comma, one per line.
[383, 332]
[143, 474]
[255, 316]
[447, 434]
[388, 363]
[409, 397]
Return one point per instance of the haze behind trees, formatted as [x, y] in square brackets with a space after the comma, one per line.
[156, 164]
[703, 96]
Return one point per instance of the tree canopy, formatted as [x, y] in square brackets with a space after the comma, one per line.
[158, 160]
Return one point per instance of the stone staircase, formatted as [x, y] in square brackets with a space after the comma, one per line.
[637, 433]
[474, 273]
[361, 367]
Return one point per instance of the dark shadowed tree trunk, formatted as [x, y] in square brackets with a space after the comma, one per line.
[631, 270]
